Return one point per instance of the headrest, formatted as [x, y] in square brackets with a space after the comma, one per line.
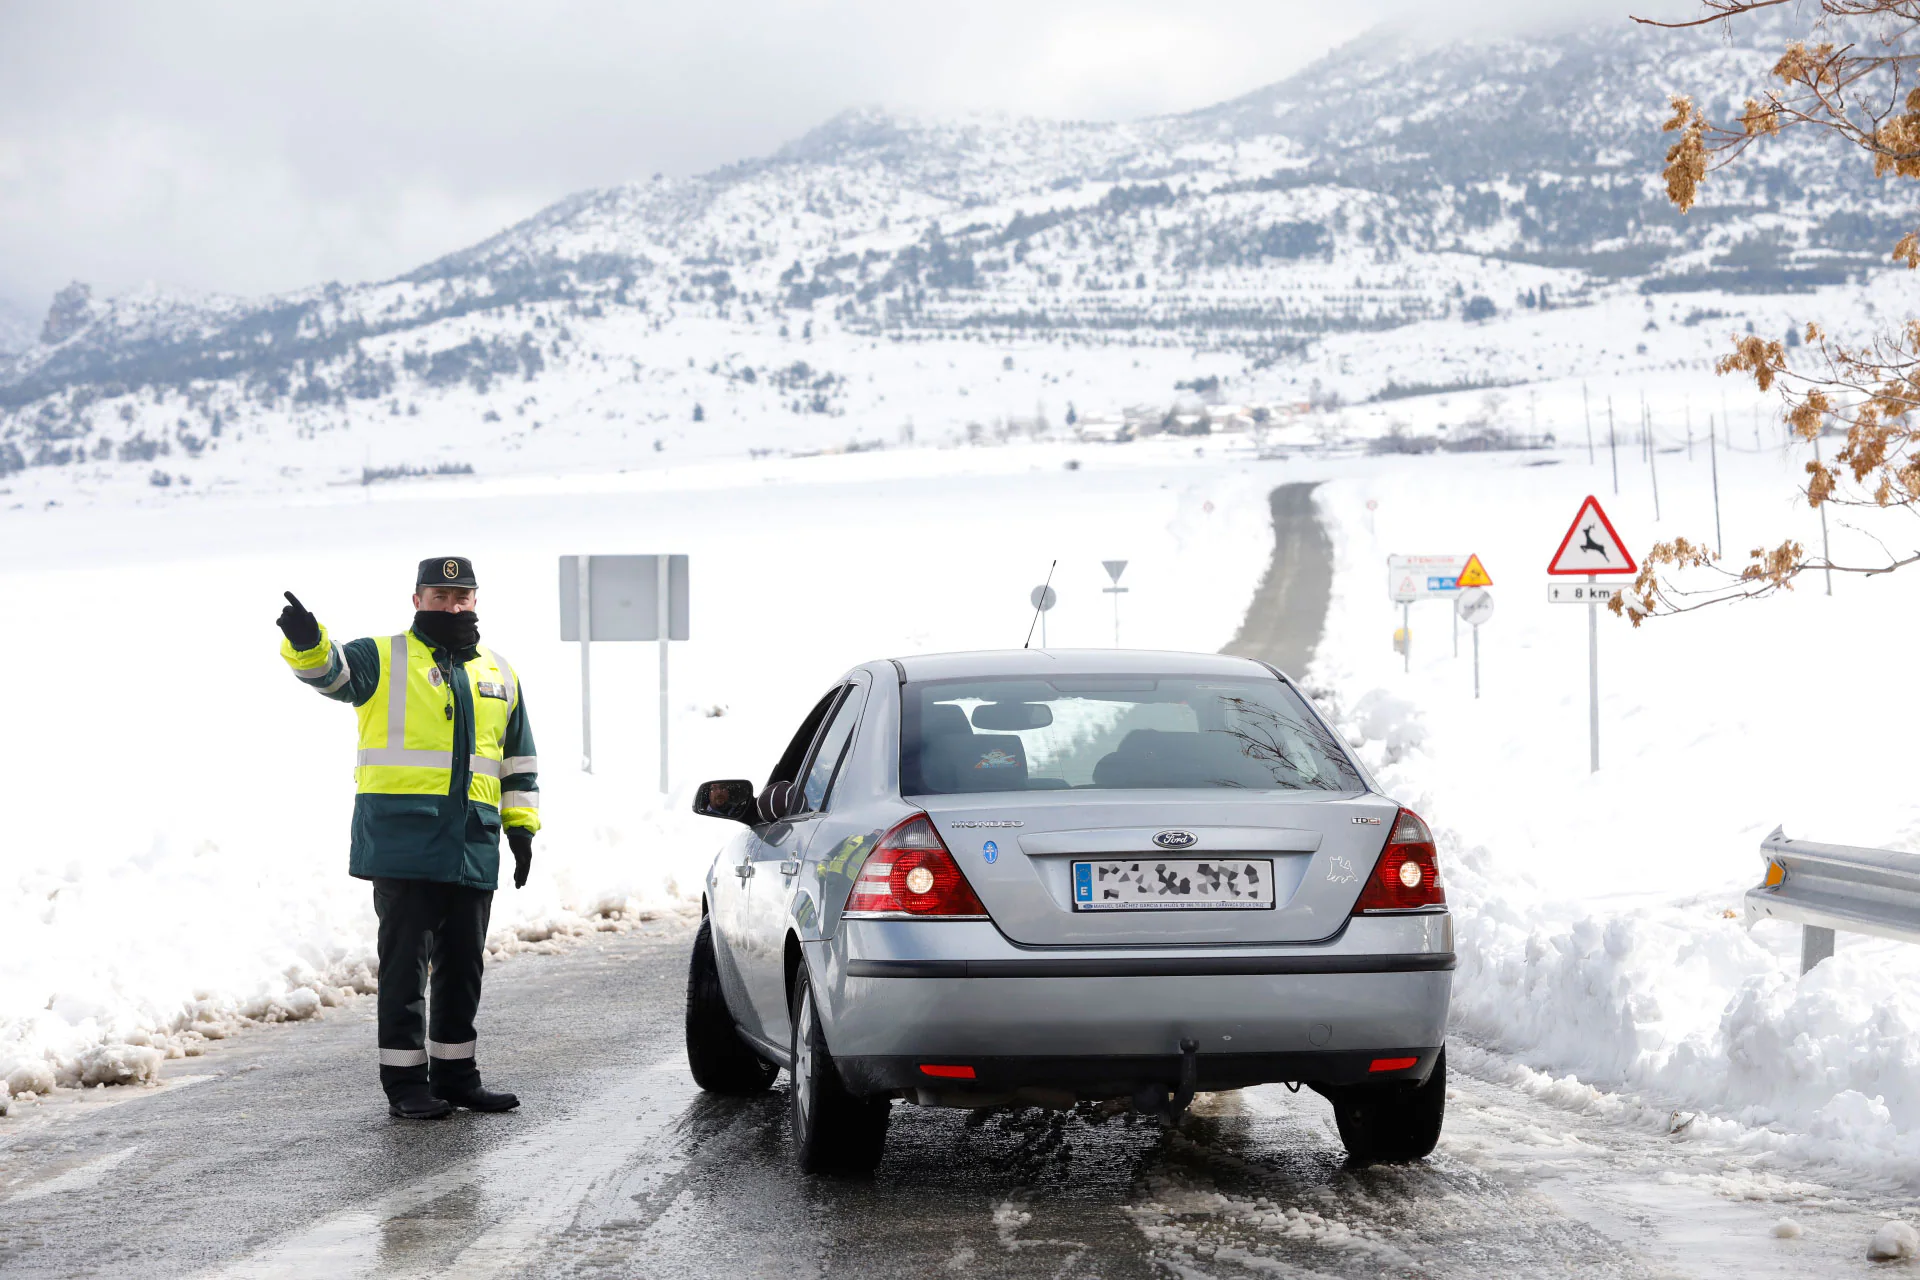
[980, 762]
[942, 719]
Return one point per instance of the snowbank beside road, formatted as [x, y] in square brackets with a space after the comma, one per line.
[1598, 913]
[178, 865]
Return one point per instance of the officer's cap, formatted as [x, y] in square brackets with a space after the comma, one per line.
[446, 571]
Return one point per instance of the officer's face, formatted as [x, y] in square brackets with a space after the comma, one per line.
[446, 599]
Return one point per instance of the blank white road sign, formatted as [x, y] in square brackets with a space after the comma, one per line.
[1412, 578]
[623, 597]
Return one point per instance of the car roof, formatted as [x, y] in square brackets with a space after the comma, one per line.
[1043, 662]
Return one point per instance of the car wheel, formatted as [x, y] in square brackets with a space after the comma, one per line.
[833, 1131]
[722, 1062]
[1394, 1122]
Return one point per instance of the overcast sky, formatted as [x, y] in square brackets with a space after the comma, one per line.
[265, 144]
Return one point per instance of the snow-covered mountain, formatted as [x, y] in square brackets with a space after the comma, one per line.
[1398, 216]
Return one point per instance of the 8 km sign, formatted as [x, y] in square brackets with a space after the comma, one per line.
[1592, 546]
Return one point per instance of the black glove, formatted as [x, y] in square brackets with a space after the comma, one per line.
[520, 840]
[300, 627]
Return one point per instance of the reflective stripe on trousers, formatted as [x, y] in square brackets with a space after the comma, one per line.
[438, 1050]
[403, 1057]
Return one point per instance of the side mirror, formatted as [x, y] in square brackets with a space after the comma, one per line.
[730, 798]
[780, 801]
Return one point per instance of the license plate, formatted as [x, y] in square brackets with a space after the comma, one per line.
[1173, 884]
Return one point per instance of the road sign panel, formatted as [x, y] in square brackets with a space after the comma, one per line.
[1581, 592]
[1412, 578]
[1115, 568]
[1043, 598]
[1474, 606]
[1591, 545]
[1474, 574]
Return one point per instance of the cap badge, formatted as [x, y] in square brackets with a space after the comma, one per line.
[451, 568]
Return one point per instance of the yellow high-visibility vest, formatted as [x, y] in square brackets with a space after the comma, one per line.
[406, 736]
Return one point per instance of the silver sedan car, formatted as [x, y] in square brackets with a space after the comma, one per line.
[1040, 877]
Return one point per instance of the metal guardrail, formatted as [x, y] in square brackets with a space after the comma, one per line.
[1829, 887]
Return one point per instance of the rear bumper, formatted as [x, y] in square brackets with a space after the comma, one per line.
[1041, 1080]
[895, 994]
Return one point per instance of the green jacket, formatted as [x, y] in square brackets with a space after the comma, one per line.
[454, 837]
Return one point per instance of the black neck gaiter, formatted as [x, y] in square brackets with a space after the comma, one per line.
[450, 631]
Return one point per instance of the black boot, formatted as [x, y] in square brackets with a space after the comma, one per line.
[410, 1095]
[459, 1086]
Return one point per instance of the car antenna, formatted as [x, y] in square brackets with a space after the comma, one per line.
[1040, 604]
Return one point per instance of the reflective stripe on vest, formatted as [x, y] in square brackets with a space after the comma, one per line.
[387, 765]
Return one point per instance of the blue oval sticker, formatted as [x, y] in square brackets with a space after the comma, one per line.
[990, 851]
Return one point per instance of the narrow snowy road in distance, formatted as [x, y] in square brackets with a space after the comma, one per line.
[272, 1156]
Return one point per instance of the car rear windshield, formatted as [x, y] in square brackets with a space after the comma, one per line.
[1115, 733]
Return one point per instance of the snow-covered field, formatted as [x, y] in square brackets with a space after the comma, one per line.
[182, 831]
[180, 851]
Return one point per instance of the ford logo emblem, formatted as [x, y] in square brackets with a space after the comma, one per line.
[1176, 839]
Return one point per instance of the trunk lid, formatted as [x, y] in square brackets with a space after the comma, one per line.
[1322, 848]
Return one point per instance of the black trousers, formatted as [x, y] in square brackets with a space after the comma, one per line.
[429, 927]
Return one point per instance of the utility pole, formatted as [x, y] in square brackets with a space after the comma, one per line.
[1713, 452]
[1613, 449]
[1646, 433]
[1826, 551]
[1587, 409]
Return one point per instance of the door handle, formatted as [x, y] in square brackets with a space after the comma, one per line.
[744, 870]
[791, 867]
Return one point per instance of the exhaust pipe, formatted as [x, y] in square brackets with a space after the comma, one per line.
[1189, 1075]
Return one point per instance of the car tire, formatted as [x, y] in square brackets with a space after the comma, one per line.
[1395, 1122]
[722, 1062]
[833, 1131]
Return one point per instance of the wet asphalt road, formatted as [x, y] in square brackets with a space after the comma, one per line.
[273, 1155]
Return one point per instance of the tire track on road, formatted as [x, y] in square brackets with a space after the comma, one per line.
[1288, 612]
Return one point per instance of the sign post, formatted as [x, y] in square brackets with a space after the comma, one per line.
[584, 576]
[622, 598]
[1600, 550]
[1114, 569]
[1411, 578]
[1044, 598]
[1476, 606]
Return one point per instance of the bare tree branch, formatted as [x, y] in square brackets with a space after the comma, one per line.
[1726, 9]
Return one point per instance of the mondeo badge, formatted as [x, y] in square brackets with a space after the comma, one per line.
[1176, 839]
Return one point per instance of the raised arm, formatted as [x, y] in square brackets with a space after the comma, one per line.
[345, 674]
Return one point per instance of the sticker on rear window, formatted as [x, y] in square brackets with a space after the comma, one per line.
[998, 759]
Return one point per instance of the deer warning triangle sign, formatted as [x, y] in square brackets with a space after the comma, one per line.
[1591, 545]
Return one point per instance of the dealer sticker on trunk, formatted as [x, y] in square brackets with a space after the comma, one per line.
[1173, 884]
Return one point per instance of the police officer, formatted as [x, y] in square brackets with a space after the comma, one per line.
[446, 760]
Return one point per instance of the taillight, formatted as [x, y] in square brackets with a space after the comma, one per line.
[1407, 876]
[910, 873]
